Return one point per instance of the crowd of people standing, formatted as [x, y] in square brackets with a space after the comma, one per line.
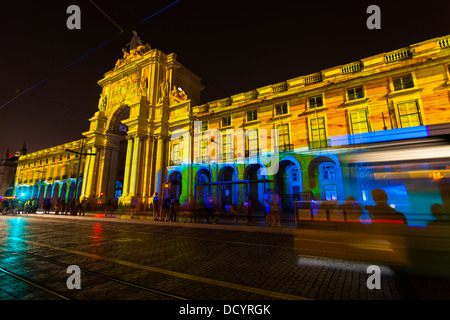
[170, 209]
[17, 206]
[194, 210]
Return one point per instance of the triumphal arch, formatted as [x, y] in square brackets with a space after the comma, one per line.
[146, 96]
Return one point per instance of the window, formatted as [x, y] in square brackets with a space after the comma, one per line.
[403, 82]
[281, 108]
[123, 128]
[409, 114]
[283, 135]
[359, 122]
[205, 144]
[315, 102]
[329, 172]
[355, 93]
[176, 154]
[330, 192]
[295, 175]
[204, 125]
[252, 141]
[226, 121]
[318, 134]
[203, 178]
[227, 147]
[252, 115]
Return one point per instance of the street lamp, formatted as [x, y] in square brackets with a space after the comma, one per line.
[81, 154]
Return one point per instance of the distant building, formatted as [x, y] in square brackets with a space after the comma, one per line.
[149, 97]
[8, 166]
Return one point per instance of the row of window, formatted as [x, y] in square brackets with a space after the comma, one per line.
[68, 156]
[68, 169]
[408, 114]
[354, 93]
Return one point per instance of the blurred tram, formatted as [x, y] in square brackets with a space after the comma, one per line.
[412, 166]
[413, 169]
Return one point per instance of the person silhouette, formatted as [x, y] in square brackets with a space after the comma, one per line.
[438, 212]
[381, 211]
[351, 208]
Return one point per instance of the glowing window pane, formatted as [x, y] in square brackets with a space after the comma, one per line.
[318, 129]
[359, 121]
[283, 134]
[409, 114]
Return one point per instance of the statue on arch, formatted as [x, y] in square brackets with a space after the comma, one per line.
[164, 90]
[177, 95]
[102, 102]
[135, 41]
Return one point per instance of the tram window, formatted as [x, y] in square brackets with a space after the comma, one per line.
[364, 169]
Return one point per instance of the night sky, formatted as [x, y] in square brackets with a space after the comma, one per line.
[234, 46]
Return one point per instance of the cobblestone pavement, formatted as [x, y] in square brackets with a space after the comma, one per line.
[147, 260]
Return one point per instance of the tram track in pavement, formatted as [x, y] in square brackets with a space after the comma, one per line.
[306, 258]
[33, 283]
[212, 282]
[57, 293]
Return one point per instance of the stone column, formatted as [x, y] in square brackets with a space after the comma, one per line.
[126, 178]
[242, 188]
[135, 167]
[146, 152]
[161, 165]
[105, 178]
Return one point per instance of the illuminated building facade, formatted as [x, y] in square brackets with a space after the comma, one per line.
[50, 173]
[149, 96]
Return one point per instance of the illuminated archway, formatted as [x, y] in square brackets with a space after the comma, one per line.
[203, 191]
[71, 193]
[41, 193]
[63, 192]
[115, 158]
[228, 190]
[325, 178]
[55, 193]
[288, 182]
[175, 180]
[256, 187]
